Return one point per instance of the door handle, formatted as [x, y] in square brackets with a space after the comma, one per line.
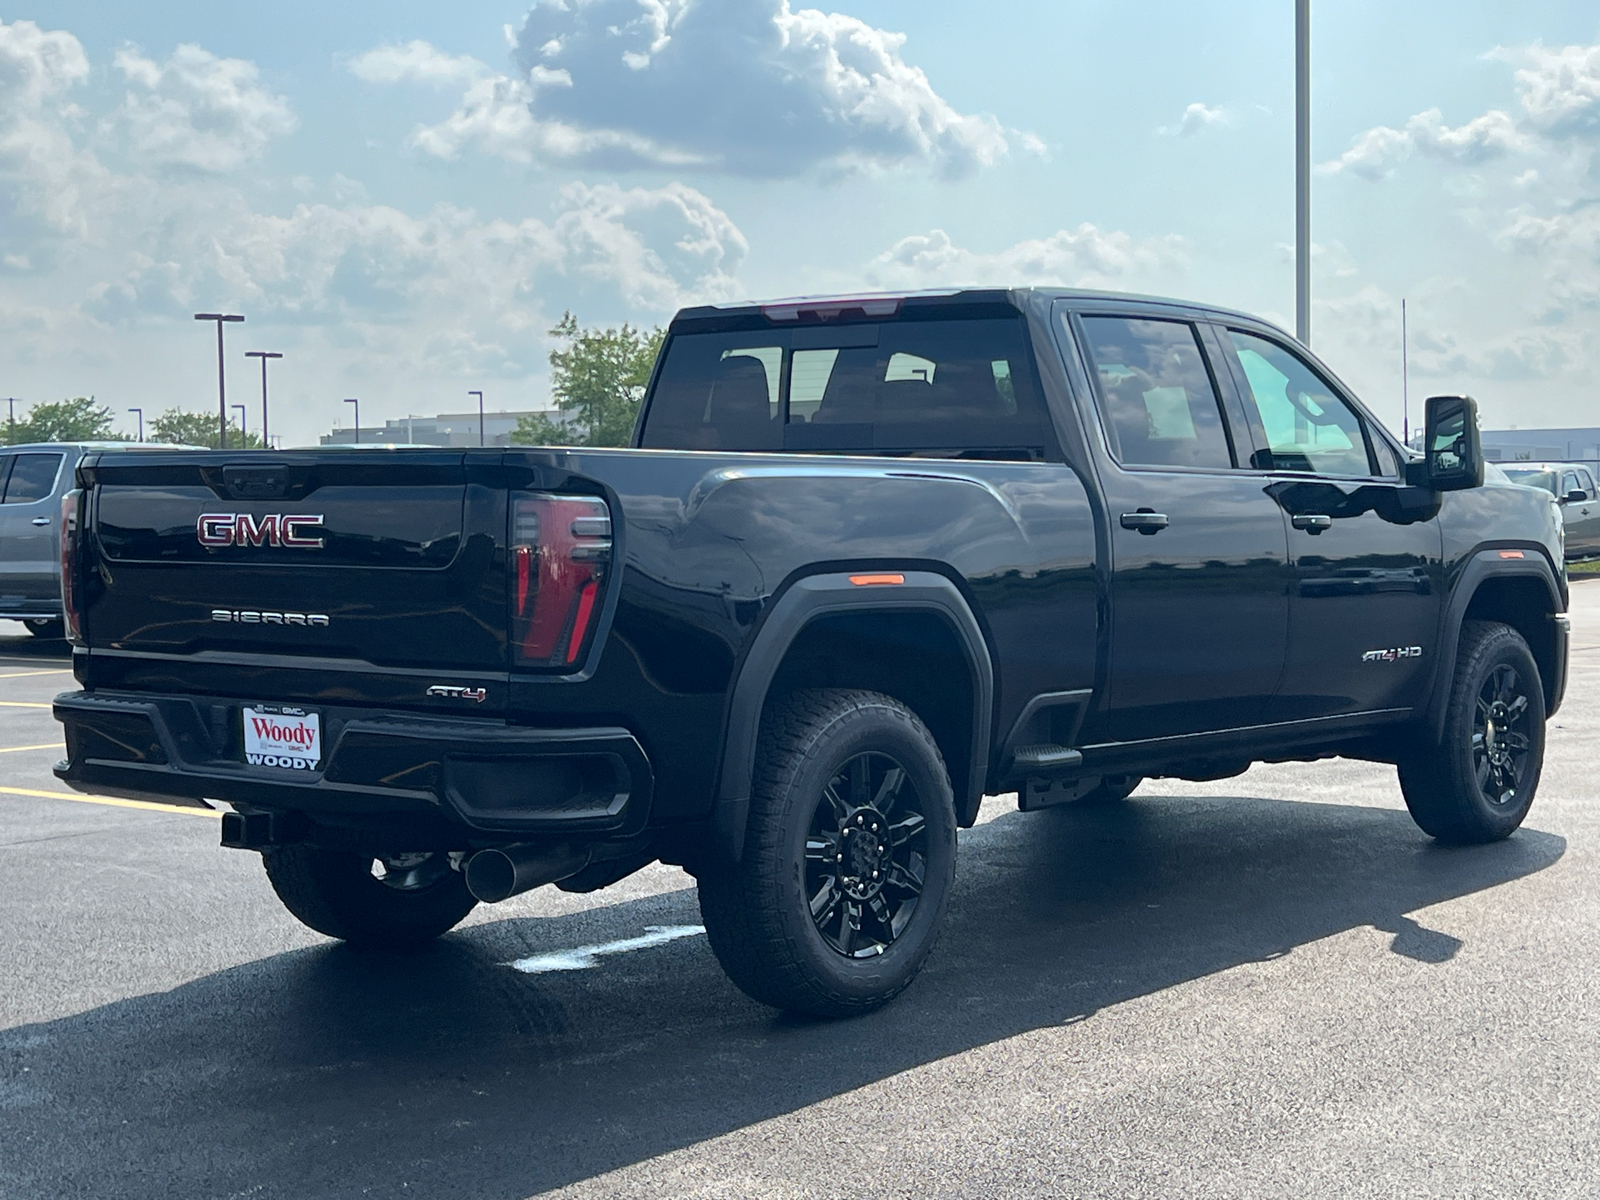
[1312, 523]
[41, 520]
[1145, 521]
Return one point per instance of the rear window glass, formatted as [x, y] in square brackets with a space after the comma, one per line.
[914, 387]
[33, 477]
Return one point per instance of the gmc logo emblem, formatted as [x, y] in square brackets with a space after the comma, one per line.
[241, 529]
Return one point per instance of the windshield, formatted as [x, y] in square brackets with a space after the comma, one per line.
[1533, 477]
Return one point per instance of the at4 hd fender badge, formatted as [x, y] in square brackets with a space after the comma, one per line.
[448, 692]
[1397, 652]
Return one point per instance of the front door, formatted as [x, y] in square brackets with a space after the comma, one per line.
[28, 547]
[1365, 551]
[1199, 591]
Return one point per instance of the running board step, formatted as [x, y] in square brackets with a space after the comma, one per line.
[1044, 758]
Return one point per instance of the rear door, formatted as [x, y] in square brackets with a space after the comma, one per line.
[1199, 590]
[1364, 550]
[28, 516]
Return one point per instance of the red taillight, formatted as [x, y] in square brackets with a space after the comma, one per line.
[70, 504]
[560, 553]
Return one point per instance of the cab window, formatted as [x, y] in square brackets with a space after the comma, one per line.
[33, 478]
[1158, 404]
[1308, 427]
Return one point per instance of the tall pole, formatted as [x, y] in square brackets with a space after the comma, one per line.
[479, 395]
[263, 355]
[1302, 171]
[244, 442]
[222, 381]
[140, 411]
[357, 403]
[11, 420]
[1405, 378]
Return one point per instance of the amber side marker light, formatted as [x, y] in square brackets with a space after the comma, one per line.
[876, 580]
[1512, 554]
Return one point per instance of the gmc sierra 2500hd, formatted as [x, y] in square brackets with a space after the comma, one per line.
[868, 559]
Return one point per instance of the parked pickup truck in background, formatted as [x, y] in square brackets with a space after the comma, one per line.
[1573, 487]
[868, 560]
[33, 478]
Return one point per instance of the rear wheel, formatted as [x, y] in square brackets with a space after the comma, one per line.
[49, 628]
[848, 858]
[391, 903]
[1477, 784]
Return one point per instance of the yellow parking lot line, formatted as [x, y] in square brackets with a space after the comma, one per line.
[20, 749]
[21, 704]
[26, 674]
[112, 801]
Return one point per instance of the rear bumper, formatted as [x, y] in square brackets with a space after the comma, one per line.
[486, 776]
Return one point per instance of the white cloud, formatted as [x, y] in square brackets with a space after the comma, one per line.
[1196, 118]
[1082, 257]
[417, 62]
[45, 172]
[1559, 89]
[197, 110]
[1377, 152]
[745, 87]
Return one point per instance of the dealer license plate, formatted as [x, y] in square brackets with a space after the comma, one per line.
[276, 736]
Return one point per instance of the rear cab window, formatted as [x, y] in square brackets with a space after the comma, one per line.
[935, 387]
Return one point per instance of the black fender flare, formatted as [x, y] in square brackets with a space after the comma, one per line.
[803, 601]
[1484, 565]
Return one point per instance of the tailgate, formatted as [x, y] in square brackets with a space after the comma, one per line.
[354, 575]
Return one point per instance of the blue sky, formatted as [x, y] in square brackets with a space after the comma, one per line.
[403, 200]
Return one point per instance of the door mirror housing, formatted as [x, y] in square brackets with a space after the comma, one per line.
[1452, 446]
[1576, 496]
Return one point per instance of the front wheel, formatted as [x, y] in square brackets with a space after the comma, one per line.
[51, 629]
[848, 859]
[1477, 784]
[393, 903]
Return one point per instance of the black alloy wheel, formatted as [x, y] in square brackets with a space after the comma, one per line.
[1476, 783]
[396, 902]
[848, 860]
[1500, 741]
[865, 856]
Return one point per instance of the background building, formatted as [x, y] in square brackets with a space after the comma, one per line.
[1578, 445]
[445, 429]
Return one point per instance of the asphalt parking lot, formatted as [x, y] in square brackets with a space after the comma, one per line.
[1272, 985]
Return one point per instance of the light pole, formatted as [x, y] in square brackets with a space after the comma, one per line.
[1302, 171]
[222, 386]
[11, 420]
[357, 403]
[140, 411]
[479, 395]
[244, 442]
[263, 355]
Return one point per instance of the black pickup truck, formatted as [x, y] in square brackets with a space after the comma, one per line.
[868, 559]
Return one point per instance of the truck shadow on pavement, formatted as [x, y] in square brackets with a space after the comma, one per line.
[321, 1072]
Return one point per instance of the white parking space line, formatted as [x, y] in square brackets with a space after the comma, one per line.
[40, 746]
[581, 958]
[21, 704]
[27, 674]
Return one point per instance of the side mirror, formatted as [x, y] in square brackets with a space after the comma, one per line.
[1576, 496]
[1452, 444]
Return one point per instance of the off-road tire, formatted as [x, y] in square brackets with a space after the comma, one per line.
[48, 630]
[336, 893]
[1446, 786]
[758, 914]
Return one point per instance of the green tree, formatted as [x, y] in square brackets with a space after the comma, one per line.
[597, 378]
[180, 428]
[79, 420]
